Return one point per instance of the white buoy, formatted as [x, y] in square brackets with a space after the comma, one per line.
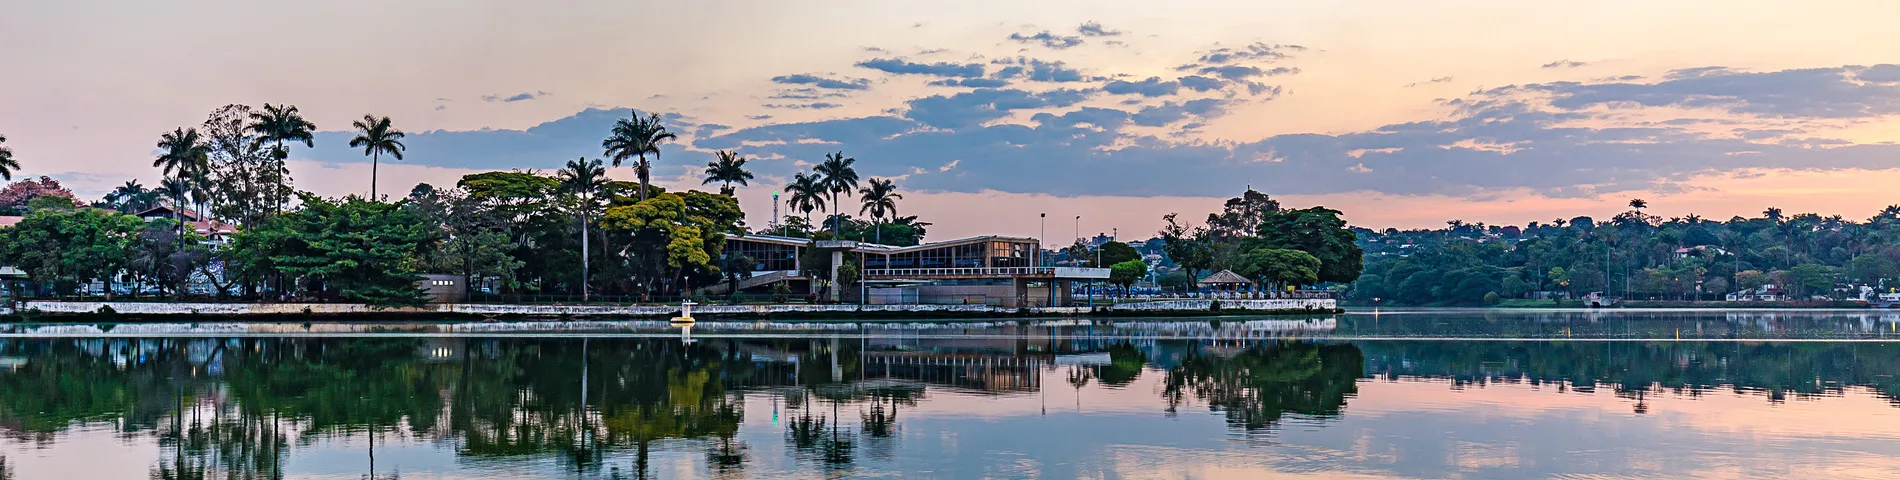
[686, 313]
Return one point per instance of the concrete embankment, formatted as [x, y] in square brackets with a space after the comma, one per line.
[714, 312]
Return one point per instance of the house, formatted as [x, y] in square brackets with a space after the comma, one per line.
[216, 234]
[1700, 251]
[1764, 293]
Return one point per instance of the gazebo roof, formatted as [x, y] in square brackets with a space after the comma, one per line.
[1225, 277]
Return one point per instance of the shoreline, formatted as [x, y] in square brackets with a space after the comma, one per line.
[44, 311]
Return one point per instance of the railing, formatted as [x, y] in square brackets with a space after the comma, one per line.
[958, 272]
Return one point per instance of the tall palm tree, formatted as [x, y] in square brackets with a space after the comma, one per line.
[807, 193]
[183, 156]
[376, 138]
[279, 124]
[130, 197]
[178, 189]
[582, 179]
[837, 176]
[1638, 204]
[636, 137]
[7, 164]
[880, 200]
[729, 169]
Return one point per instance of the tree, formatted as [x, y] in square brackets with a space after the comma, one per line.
[880, 200]
[376, 137]
[728, 169]
[1638, 204]
[8, 164]
[1318, 231]
[1241, 216]
[580, 180]
[1189, 247]
[836, 175]
[178, 190]
[351, 249]
[807, 194]
[132, 197]
[675, 236]
[1112, 253]
[51, 202]
[281, 124]
[70, 247]
[1281, 267]
[184, 157]
[635, 138]
[1127, 273]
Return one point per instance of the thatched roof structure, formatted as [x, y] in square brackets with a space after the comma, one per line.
[1225, 277]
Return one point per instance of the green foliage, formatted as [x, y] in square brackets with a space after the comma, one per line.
[1113, 253]
[1127, 272]
[351, 249]
[51, 202]
[1318, 231]
[70, 247]
[1278, 266]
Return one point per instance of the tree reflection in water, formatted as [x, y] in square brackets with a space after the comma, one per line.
[1256, 386]
[237, 408]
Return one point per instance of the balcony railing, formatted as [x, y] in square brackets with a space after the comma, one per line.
[959, 272]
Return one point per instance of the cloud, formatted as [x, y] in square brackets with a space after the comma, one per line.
[1546, 137]
[900, 66]
[804, 106]
[1095, 29]
[1498, 140]
[519, 97]
[547, 145]
[1199, 83]
[822, 82]
[1037, 70]
[804, 93]
[1566, 63]
[1047, 39]
[1257, 51]
[1435, 80]
[1240, 72]
[1842, 92]
[983, 105]
[758, 117]
[970, 82]
[1152, 87]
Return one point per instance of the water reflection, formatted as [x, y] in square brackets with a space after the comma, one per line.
[1044, 405]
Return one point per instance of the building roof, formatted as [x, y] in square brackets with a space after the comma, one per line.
[868, 247]
[9, 220]
[166, 211]
[1226, 277]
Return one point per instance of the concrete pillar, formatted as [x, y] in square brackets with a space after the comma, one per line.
[837, 258]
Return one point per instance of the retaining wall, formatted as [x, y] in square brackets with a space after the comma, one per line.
[162, 308]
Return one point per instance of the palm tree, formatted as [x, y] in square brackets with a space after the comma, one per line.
[583, 178]
[730, 169]
[281, 123]
[837, 176]
[807, 193]
[183, 156]
[131, 197]
[636, 137]
[1638, 204]
[880, 200]
[1772, 214]
[178, 189]
[7, 164]
[376, 137]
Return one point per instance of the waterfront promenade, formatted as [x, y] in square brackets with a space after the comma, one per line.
[713, 311]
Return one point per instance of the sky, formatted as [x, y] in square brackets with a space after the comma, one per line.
[990, 114]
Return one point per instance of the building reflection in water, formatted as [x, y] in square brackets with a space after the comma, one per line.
[600, 407]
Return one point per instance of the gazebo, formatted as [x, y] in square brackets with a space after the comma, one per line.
[1226, 281]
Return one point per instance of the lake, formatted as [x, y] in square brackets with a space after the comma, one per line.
[1423, 393]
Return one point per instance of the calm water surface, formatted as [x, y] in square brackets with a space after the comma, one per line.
[1401, 394]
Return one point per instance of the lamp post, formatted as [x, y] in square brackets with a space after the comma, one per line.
[1042, 235]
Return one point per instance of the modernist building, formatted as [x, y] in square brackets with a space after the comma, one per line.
[988, 270]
